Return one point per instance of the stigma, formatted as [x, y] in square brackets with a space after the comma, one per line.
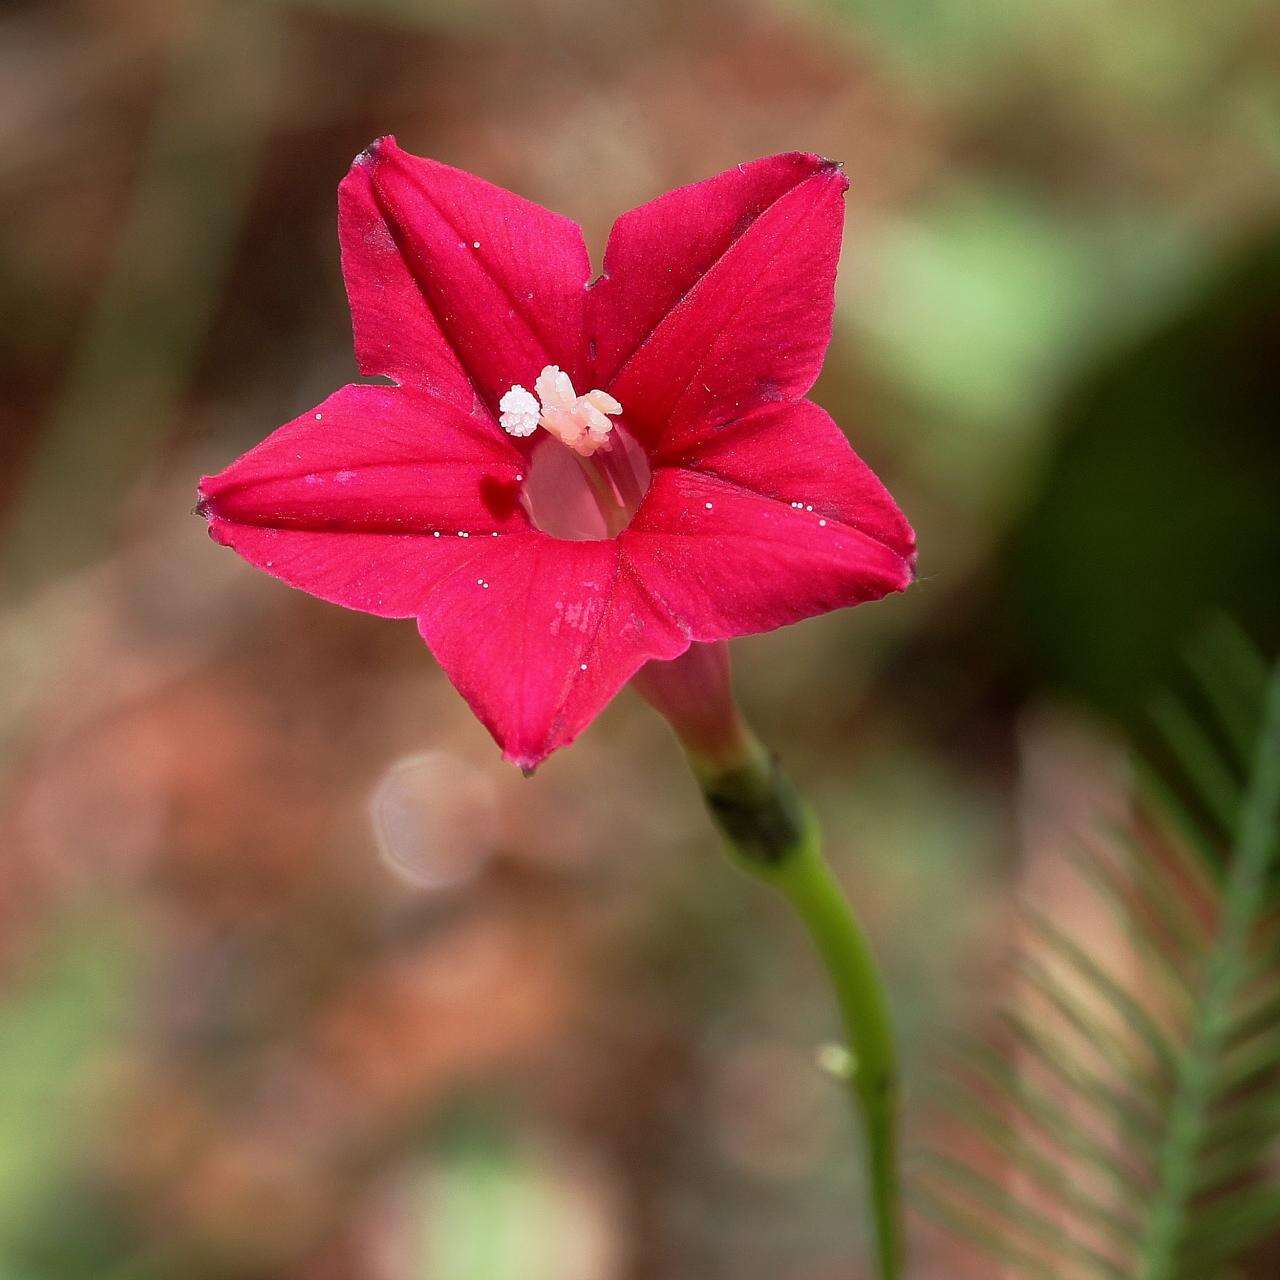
[580, 422]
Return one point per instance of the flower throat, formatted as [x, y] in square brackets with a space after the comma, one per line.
[587, 476]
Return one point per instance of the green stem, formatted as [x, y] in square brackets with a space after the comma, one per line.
[844, 949]
[771, 834]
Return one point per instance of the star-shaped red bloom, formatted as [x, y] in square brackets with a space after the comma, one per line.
[544, 571]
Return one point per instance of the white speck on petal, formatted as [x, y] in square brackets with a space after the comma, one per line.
[436, 534]
[582, 666]
[319, 416]
[462, 533]
[822, 524]
[707, 505]
[475, 244]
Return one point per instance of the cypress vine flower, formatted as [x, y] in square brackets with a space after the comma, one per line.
[572, 478]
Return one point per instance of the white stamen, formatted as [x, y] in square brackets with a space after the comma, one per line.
[581, 422]
[555, 389]
[519, 412]
[603, 401]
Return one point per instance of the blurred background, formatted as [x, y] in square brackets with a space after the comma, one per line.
[297, 980]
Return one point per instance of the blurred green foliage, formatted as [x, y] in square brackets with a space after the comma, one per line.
[58, 1028]
[1177, 1051]
[1160, 502]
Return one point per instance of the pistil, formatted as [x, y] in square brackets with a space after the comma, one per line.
[612, 507]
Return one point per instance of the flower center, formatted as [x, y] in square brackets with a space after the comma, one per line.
[581, 422]
[592, 487]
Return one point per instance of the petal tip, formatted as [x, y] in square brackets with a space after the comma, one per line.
[828, 168]
[527, 764]
[910, 567]
[375, 156]
[204, 499]
[818, 164]
[373, 152]
[810, 166]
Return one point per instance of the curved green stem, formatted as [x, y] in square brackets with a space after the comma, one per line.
[809, 884]
[772, 835]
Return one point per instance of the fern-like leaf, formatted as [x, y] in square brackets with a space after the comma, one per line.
[1127, 1127]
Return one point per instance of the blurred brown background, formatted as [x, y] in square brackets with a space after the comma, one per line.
[297, 980]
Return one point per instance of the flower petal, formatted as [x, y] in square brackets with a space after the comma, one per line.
[795, 453]
[364, 501]
[718, 297]
[774, 520]
[539, 634]
[456, 284]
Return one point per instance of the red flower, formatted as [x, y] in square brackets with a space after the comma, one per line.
[692, 495]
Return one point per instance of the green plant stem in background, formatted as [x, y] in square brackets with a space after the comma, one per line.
[1226, 971]
[771, 834]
